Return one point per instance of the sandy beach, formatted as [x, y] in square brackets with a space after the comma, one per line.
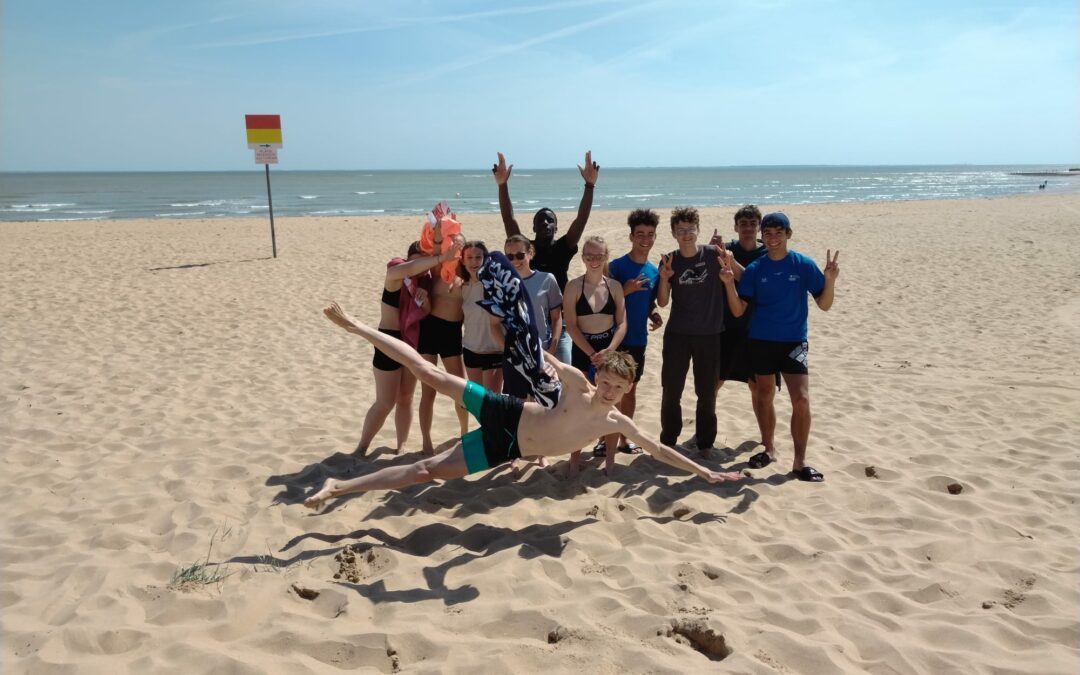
[171, 393]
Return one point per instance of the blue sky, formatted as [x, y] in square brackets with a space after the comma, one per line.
[137, 85]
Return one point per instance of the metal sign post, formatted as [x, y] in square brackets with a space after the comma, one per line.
[264, 137]
[270, 203]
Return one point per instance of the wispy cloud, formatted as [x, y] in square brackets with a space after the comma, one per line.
[504, 50]
[400, 22]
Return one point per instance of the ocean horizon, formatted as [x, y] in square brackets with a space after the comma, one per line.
[63, 196]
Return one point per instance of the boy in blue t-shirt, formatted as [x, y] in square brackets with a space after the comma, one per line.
[638, 277]
[777, 284]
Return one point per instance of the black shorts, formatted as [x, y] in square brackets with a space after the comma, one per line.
[439, 337]
[382, 361]
[579, 359]
[735, 356]
[768, 357]
[639, 358]
[495, 442]
[482, 361]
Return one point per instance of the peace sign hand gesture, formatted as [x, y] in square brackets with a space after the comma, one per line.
[635, 285]
[501, 170]
[832, 265]
[727, 275]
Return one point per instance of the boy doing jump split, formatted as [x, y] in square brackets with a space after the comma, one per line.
[509, 427]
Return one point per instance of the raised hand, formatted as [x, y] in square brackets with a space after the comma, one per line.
[635, 285]
[666, 272]
[589, 171]
[717, 239]
[501, 170]
[832, 266]
[453, 252]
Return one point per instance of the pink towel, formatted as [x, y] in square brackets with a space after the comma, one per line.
[409, 312]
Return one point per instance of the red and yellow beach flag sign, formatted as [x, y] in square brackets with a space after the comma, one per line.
[263, 131]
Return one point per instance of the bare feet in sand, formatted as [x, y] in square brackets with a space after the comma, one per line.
[319, 498]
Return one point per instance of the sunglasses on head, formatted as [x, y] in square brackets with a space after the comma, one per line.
[515, 256]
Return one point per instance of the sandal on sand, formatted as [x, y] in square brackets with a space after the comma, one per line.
[630, 448]
[809, 474]
[600, 449]
[760, 461]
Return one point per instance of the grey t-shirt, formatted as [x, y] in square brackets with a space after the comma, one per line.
[543, 290]
[697, 294]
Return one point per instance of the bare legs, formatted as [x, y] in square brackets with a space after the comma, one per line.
[491, 378]
[453, 366]
[447, 464]
[799, 389]
[390, 392]
[440, 380]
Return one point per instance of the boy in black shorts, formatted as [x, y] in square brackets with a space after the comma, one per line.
[778, 283]
[734, 341]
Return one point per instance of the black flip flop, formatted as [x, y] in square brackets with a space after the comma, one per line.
[600, 449]
[810, 475]
[630, 449]
[759, 461]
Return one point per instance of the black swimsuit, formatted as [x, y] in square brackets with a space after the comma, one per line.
[578, 358]
[392, 298]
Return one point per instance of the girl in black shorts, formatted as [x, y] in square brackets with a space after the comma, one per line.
[481, 340]
[394, 385]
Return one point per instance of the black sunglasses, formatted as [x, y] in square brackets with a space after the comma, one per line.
[515, 256]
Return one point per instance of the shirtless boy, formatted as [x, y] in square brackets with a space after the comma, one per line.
[440, 336]
[510, 428]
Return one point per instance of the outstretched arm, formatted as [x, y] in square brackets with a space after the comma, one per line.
[832, 270]
[502, 174]
[414, 267]
[589, 172]
[668, 456]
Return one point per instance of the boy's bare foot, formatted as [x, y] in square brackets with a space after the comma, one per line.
[316, 500]
[336, 314]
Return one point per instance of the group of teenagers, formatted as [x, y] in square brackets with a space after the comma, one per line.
[548, 365]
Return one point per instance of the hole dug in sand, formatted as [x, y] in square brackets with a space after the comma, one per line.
[357, 561]
[697, 635]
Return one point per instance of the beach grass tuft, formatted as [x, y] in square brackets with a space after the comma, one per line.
[199, 573]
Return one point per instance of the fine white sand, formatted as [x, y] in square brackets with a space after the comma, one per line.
[167, 386]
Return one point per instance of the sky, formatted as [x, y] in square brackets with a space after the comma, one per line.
[133, 85]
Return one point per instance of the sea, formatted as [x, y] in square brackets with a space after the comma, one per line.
[150, 195]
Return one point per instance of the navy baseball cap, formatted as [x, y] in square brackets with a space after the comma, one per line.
[776, 219]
